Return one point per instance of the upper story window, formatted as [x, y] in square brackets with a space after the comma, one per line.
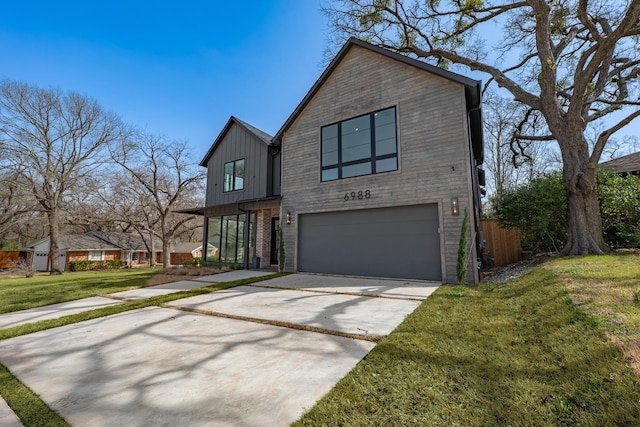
[363, 145]
[234, 175]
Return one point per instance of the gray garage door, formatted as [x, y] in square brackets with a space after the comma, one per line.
[398, 242]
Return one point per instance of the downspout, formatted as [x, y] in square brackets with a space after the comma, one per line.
[245, 232]
[476, 190]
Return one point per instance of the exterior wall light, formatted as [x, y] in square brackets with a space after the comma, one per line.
[455, 210]
[288, 217]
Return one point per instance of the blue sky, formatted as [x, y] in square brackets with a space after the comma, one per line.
[174, 68]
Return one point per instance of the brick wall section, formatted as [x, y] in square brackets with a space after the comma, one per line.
[433, 149]
[77, 256]
[179, 258]
[263, 235]
[109, 255]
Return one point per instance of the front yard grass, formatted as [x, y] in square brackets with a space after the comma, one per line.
[518, 353]
[23, 293]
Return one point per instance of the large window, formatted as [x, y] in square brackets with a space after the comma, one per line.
[363, 145]
[225, 238]
[234, 175]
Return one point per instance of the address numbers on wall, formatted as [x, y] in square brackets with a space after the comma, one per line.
[357, 195]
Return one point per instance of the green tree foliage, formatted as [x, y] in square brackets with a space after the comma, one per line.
[463, 250]
[620, 207]
[539, 210]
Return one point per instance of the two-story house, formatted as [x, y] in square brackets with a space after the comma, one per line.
[369, 176]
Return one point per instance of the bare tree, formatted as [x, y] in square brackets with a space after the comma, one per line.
[51, 140]
[15, 206]
[159, 179]
[570, 62]
[510, 163]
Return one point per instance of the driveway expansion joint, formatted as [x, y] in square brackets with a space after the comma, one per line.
[115, 297]
[296, 326]
[353, 294]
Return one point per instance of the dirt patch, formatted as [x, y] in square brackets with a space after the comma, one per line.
[515, 270]
[174, 274]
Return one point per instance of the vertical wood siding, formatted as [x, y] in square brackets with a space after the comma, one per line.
[433, 148]
[238, 144]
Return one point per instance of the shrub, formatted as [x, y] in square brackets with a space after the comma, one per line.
[85, 265]
[620, 207]
[463, 250]
[539, 210]
[196, 261]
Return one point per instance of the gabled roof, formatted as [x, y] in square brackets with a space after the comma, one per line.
[262, 136]
[100, 241]
[629, 164]
[125, 241]
[186, 247]
[472, 87]
[83, 242]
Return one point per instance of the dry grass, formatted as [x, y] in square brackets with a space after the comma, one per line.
[605, 288]
[173, 274]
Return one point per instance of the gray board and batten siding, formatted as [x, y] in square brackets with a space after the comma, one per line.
[240, 141]
[400, 242]
[436, 150]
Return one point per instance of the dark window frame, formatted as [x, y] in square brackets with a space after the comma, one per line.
[234, 175]
[372, 160]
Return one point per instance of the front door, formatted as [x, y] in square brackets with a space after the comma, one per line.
[275, 239]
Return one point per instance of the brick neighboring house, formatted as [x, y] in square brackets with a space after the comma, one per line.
[92, 246]
[369, 176]
[185, 252]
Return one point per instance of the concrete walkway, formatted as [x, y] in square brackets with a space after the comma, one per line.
[7, 417]
[246, 356]
[55, 311]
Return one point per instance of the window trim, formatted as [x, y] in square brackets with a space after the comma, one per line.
[372, 160]
[233, 181]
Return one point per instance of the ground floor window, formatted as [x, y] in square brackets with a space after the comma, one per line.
[96, 255]
[226, 238]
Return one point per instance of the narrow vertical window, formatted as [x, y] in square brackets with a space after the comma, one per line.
[233, 176]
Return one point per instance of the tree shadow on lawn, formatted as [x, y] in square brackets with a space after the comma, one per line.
[516, 353]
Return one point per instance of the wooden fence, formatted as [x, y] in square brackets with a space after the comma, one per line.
[503, 245]
[9, 259]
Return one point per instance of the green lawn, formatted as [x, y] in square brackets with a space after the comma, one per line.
[22, 293]
[518, 353]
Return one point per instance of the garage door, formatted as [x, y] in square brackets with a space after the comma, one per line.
[401, 242]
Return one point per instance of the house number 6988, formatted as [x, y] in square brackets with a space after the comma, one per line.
[357, 195]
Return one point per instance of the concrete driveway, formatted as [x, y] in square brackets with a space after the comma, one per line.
[247, 356]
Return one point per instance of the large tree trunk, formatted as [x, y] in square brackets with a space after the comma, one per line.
[166, 255]
[585, 222]
[54, 239]
[152, 248]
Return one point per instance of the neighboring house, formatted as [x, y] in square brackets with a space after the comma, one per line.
[92, 246]
[625, 165]
[185, 252]
[369, 176]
